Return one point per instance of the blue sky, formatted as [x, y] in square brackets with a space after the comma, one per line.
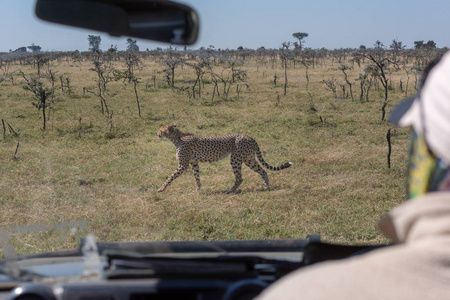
[254, 23]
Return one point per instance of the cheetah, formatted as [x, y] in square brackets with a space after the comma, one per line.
[193, 149]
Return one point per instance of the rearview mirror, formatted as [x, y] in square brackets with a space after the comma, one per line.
[156, 20]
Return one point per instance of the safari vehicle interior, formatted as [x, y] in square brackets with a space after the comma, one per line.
[228, 269]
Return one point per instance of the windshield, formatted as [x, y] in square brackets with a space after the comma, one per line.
[311, 83]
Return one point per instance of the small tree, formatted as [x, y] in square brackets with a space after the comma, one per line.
[407, 71]
[5, 65]
[366, 81]
[344, 68]
[397, 47]
[132, 45]
[422, 44]
[94, 43]
[43, 96]
[39, 60]
[103, 77]
[285, 55]
[430, 44]
[418, 44]
[380, 71]
[112, 49]
[378, 45]
[230, 75]
[306, 58]
[34, 48]
[20, 50]
[132, 60]
[170, 70]
[331, 84]
[199, 67]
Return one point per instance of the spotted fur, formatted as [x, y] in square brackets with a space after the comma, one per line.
[193, 149]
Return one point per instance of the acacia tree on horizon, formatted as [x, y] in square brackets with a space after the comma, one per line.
[132, 45]
[94, 43]
[300, 36]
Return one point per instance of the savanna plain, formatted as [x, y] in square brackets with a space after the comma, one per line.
[98, 164]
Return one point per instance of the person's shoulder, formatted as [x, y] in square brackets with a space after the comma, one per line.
[414, 219]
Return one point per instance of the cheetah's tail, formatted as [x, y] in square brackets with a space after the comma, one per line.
[269, 167]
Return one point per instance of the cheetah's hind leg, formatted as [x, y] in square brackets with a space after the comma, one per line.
[236, 164]
[196, 171]
[253, 164]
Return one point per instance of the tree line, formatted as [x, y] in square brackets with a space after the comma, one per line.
[224, 69]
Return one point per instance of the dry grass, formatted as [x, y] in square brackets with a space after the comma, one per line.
[107, 179]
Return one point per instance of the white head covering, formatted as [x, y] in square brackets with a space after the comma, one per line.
[429, 111]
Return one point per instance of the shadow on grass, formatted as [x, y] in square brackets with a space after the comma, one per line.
[239, 191]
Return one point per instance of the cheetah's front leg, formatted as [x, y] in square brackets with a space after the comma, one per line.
[181, 168]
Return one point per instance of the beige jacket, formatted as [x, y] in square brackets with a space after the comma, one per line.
[418, 267]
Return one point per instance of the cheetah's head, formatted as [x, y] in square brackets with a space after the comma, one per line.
[166, 130]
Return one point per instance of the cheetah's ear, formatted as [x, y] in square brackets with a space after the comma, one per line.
[171, 128]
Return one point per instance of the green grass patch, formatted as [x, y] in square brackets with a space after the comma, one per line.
[104, 171]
